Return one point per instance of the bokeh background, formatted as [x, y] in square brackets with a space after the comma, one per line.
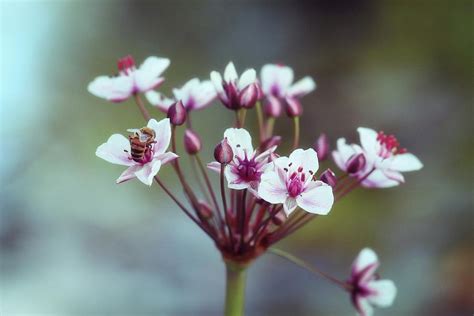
[73, 242]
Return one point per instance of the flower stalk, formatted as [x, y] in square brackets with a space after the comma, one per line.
[236, 277]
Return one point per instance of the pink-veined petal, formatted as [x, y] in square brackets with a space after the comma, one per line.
[272, 189]
[307, 159]
[146, 173]
[214, 166]
[203, 95]
[405, 162]
[163, 134]
[317, 198]
[368, 140]
[394, 175]
[276, 77]
[302, 87]
[363, 307]
[116, 150]
[365, 258]
[216, 80]
[249, 76]
[230, 74]
[159, 100]
[233, 180]
[166, 157]
[147, 76]
[384, 292]
[128, 174]
[240, 140]
[377, 179]
[115, 89]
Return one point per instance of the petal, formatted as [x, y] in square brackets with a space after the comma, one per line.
[115, 89]
[289, 205]
[166, 157]
[233, 180]
[114, 150]
[272, 189]
[406, 162]
[394, 175]
[276, 77]
[377, 179]
[216, 80]
[302, 87]
[214, 166]
[248, 77]
[128, 174]
[230, 74]
[363, 307]
[384, 292]
[204, 95]
[344, 152]
[317, 198]
[368, 140]
[146, 173]
[147, 75]
[366, 257]
[159, 100]
[308, 159]
[240, 140]
[163, 134]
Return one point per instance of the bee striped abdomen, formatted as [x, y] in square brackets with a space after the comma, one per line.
[138, 149]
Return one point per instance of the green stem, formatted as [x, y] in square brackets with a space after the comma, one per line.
[235, 289]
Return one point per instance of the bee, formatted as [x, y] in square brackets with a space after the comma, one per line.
[141, 143]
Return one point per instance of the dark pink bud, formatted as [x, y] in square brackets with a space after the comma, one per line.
[249, 96]
[293, 107]
[192, 142]
[272, 107]
[205, 210]
[321, 145]
[356, 163]
[223, 152]
[177, 113]
[270, 142]
[329, 177]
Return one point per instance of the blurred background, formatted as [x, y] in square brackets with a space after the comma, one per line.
[72, 242]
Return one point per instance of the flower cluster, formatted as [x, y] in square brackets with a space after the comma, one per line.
[264, 195]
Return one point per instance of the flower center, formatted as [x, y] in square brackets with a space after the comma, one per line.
[248, 169]
[295, 183]
[389, 145]
[126, 65]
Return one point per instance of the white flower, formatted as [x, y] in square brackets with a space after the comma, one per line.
[382, 154]
[277, 81]
[230, 90]
[291, 182]
[130, 80]
[148, 155]
[194, 95]
[367, 289]
[247, 166]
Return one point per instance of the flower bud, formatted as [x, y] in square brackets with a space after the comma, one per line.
[321, 145]
[272, 107]
[205, 210]
[356, 163]
[249, 96]
[223, 152]
[192, 142]
[293, 107]
[270, 142]
[329, 177]
[177, 113]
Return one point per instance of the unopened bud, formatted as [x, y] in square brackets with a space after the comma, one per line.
[249, 96]
[321, 145]
[177, 113]
[329, 177]
[223, 152]
[270, 142]
[293, 107]
[205, 210]
[192, 142]
[356, 163]
[272, 107]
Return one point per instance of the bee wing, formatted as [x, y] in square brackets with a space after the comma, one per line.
[133, 130]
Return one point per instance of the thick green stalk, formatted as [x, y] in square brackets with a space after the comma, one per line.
[235, 289]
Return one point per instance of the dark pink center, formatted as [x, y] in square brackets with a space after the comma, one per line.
[390, 144]
[296, 183]
[126, 64]
[248, 170]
